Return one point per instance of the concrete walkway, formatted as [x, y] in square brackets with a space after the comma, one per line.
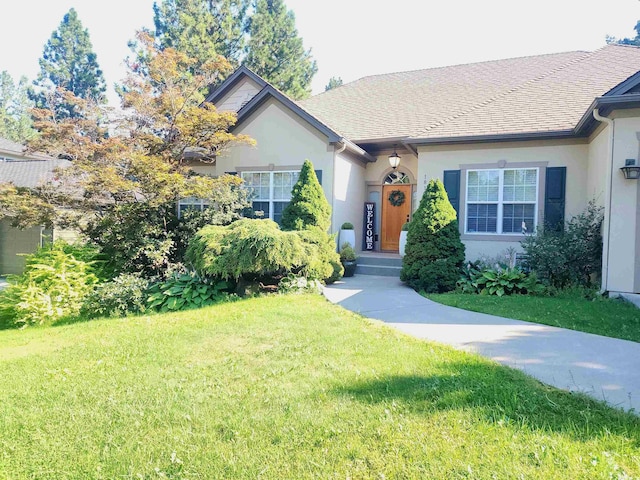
[605, 368]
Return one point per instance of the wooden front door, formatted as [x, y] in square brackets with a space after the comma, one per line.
[394, 216]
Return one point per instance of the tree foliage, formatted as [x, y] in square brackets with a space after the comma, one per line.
[627, 41]
[121, 189]
[434, 253]
[15, 120]
[334, 82]
[202, 29]
[68, 62]
[275, 51]
[308, 207]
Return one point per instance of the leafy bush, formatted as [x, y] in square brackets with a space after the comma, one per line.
[308, 206]
[323, 262]
[347, 253]
[184, 291]
[124, 295]
[405, 227]
[247, 247]
[53, 286]
[434, 253]
[498, 281]
[572, 257]
[299, 284]
[347, 226]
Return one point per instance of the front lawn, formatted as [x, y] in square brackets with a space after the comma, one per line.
[286, 388]
[609, 317]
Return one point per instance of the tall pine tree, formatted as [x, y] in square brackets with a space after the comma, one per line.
[202, 28]
[15, 120]
[275, 51]
[68, 62]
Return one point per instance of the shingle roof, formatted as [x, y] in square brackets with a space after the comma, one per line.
[529, 94]
[30, 173]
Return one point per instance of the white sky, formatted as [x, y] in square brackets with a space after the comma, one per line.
[349, 38]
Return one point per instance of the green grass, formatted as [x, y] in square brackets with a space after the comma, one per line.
[286, 387]
[609, 317]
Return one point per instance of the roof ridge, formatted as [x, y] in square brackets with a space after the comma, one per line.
[508, 92]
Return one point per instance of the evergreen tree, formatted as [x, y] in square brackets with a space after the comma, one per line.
[308, 207]
[275, 51]
[15, 120]
[627, 41]
[68, 62]
[334, 82]
[434, 253]
[202, 29]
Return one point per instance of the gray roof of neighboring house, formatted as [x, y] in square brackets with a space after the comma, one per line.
[29, 171]
[544, 93]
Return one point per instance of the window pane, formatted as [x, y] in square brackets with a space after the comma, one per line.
[482, 218]
[516, 217]
[472, 194]
[278, 208]
[261, 209]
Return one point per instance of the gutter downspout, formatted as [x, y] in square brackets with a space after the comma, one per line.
[333, 179]
[607, 227]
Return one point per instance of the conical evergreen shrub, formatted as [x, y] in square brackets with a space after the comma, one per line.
[308, 206]
[434, 253]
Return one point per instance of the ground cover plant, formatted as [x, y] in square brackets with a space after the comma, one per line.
[286, 387]
[609, 317]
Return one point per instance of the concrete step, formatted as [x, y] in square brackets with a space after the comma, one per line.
[387, 261]
[380, 270]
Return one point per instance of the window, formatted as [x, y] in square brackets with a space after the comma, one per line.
[270, 191]
[501, 201]
[191, 203]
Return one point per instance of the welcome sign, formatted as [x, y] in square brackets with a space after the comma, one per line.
[369, 226]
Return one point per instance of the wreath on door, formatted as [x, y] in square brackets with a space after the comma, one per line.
[396, 198]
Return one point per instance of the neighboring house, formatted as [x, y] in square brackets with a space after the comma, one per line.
[23, 170]
[517, 142]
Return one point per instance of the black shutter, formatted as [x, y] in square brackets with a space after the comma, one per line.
[451, 180]
[555, 184]
[319, 175]
[232, 173]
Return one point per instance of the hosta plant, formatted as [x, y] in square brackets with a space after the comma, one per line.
[186, 290]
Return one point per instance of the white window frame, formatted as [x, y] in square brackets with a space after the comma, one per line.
[185, 203]
[500, 202]
[271, 200]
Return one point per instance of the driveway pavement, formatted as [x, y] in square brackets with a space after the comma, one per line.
[605, 368]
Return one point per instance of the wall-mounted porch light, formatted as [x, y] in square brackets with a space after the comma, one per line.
[630, 170]
[394, 159]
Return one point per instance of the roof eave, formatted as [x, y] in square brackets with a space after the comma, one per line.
[493, 138]
[605, 105]
[231, 81]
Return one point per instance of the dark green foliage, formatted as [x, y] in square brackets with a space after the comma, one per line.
[347, 226]
[434, 253]
[627, 41]
[53, 286]
[405, 227]
[308, 207]
[69, 62]
[15, 120]
[334, 82]
[275, 51]
[498, 281]
[572, 257]
[323, 262]
[122, 296]
[347, 253]
[202, 29]
[186, 290]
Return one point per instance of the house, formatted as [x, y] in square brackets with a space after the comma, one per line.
[518, 143]
[23, 170]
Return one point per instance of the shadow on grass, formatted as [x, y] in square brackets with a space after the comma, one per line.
[499, 395]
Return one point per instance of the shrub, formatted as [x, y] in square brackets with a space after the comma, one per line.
[323, 262]
[347, 226]
[347, 253]
[572, 257]
[498, 281]
[249, 248]
[308, 206]
[434, 253]
[405, 227]
[53, 286]
[186, 290]
[124, 295]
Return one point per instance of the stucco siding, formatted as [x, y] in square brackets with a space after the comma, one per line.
[349, 195]
[598, 166]
[239, 95]
[13, 242]
[434, 160]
